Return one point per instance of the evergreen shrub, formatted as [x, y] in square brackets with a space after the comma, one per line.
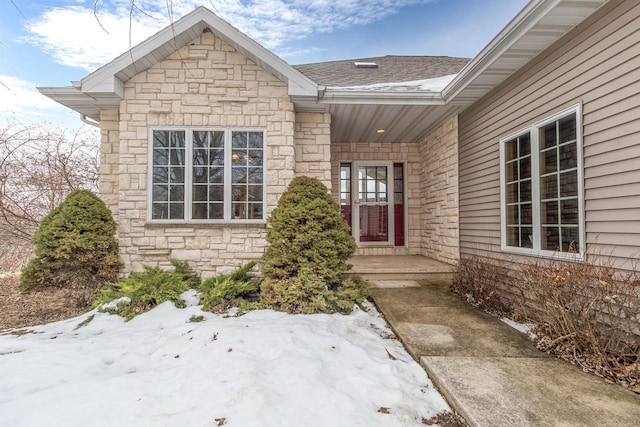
[228, 289]
[75, 246]
[142, 291]
[308, 247]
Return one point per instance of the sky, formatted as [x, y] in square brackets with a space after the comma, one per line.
[53, 42]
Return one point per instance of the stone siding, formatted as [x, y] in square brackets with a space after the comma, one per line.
[110, 159]
[439, 218]
[207, 84]
[313, 146]
[398, 152]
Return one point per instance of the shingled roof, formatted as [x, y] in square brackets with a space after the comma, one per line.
[390, 68]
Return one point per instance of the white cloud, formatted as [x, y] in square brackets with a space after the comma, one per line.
[73, 36]
[20, 97]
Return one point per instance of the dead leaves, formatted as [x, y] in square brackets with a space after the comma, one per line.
[384, 410]
[445, 419]
[391, 356]
[220, 421]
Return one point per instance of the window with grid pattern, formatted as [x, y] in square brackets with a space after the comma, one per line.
[541, 187]
[202, 175]
[519, 211]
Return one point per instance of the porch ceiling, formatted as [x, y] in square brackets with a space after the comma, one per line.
[402, 123]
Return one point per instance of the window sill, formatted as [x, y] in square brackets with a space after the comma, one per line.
[558, 256]
[182, 224]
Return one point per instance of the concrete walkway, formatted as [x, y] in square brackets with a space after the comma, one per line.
[489, 372]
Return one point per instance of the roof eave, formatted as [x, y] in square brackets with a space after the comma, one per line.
[71, 97]
[520, 26]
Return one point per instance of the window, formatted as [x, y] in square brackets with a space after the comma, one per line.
[203, 175]
[541, 187]
[345, 193]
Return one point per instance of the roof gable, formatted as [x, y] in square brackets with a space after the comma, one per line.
[104, 88]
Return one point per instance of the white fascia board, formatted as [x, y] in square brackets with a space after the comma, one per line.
[72, 98]
[515, 30]
[104, 78]
[381, 97]
[61, 93]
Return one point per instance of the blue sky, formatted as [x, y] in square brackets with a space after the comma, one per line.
[50, 43]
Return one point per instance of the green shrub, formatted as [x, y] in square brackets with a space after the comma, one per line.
[142, 291]
[228, 288]
[306, 260]
[75, 246]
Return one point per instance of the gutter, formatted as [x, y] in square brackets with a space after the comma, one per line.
[89, 121]
[341, 96]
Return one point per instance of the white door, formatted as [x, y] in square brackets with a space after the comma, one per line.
[373, 213]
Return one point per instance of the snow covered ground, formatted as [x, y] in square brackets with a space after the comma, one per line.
[264, 368]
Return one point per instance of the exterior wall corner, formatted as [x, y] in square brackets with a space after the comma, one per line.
[439, 216]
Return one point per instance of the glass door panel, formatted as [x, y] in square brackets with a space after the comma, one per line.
[373, 203]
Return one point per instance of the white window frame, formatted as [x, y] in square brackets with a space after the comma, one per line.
[533, 131]
[390, 202]
[228, 151]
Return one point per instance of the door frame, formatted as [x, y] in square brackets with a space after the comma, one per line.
[355, 201]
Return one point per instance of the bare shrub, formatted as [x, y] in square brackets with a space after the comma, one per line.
[481, 281]
[39, 166]
[588, 314]
[584, 312]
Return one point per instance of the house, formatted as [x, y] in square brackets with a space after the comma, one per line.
[530, 149]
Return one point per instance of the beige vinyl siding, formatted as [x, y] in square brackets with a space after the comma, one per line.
[598, 65]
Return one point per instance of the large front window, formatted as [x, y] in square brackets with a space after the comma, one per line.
[203, 175]
[541, 187]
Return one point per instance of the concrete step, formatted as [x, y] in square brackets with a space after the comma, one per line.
[430, 276]
[401, 267]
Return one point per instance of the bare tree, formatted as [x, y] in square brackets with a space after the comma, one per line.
[39, 166]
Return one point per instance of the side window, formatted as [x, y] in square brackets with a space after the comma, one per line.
[518, 190]
[559, 186]
[168, 168]
[541, 187]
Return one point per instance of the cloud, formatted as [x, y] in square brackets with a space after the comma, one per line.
[19, 97]
[74, 36]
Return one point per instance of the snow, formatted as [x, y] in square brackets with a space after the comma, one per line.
[264, 368]
[525, 328]
[113, 305]
[432, 85]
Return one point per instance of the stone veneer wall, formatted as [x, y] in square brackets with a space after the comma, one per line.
[207, 83]
[439, 216]
[110, 159]
[395, 151]
[313, 146]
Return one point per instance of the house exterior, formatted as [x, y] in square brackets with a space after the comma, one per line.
[528, 150]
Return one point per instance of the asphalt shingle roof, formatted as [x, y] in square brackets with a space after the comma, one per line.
[391, 68]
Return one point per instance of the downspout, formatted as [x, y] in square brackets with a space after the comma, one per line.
[89, 121]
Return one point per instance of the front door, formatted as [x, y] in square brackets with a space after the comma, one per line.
[373, 199]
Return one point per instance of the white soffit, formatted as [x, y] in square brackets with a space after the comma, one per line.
[540, 24]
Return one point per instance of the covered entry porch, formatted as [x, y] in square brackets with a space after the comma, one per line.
[401, 267]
